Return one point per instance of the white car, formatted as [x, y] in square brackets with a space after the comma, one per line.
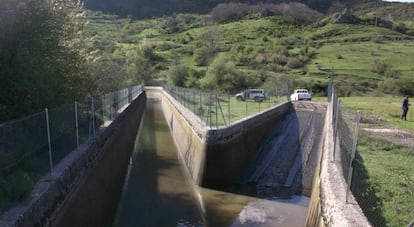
[300, 94]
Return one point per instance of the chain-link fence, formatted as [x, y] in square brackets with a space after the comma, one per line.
[31, 146]
[219, 109]
[346, 131]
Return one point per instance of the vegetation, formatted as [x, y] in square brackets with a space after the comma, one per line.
[385, 175]
[53, 52]
[40, 62]
[383, 182]
[386, 109]
[237, 46]
[266, 43]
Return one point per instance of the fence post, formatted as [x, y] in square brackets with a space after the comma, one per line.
[194, 102]
[245, 101]
[103, 110]
[49, 142]
[216, 111]
[210, 107]
[276, 94]
[221, 110]
[92, 120]
[201, 105]
[77, 124]
[228, 109]
[287, 90]
[354, 144]
[336, 104]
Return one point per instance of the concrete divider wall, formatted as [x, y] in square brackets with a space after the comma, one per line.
[188, 132]
[86, 185]
[314, 215]
[216, 157]
[334, 209]
[230, 149]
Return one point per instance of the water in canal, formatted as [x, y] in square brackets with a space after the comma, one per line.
[157, 191]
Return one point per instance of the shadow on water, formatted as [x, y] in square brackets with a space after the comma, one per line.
[156, 192]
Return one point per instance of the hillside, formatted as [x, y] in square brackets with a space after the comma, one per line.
[264, 45]
[156, 8]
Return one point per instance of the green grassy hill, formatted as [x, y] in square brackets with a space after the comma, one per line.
[155, 8]
[364, 57]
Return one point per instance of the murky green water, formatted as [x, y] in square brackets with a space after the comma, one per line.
[157, 192]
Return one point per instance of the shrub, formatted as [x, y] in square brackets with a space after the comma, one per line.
[200, 56]
[391, 72]
[294, 63]
[177, 75]
[378, 66]
[339, 56]
[280, 59]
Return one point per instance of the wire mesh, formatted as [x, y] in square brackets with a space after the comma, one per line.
[346, 121]
[218, 109]
[24, 146]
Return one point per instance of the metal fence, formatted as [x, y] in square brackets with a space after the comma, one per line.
[217, 109]
[31, 146]
[346, 131]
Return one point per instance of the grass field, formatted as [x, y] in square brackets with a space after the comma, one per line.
[385, 170]
[387, 109]
[358, 58]
[389, 178]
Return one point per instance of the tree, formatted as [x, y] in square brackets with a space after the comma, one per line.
[178, 74]
[208, 46]
[41, 64]
[221, 75]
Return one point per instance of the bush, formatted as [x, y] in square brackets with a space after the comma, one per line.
[280, 60]
[294, 63]
[177, 75]
[226, 12]
[200, 56]
[378, 66]
[339, 56]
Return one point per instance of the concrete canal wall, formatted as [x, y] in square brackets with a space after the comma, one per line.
[216, 157]
[86, 185]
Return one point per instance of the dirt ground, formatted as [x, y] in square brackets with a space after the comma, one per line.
[375, 128]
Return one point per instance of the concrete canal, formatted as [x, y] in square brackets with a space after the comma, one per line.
[158, 190]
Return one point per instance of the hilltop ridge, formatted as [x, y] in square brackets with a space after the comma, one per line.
[156, 8]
